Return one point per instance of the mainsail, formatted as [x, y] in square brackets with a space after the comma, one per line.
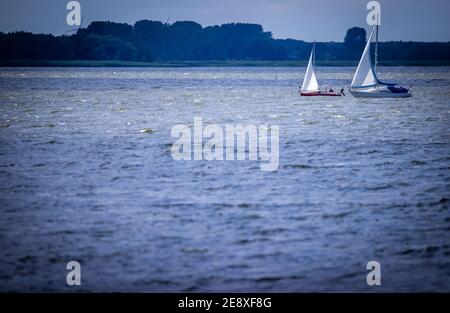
[365, 76]
[310, 81]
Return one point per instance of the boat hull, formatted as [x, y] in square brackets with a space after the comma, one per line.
[319, 94]
[379, 93]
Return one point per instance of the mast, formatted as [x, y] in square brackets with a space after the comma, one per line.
[376, 48]
[314, 53]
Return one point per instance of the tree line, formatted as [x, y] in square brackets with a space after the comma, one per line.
[185, 40]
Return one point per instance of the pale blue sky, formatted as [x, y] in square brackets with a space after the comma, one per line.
[321, 20]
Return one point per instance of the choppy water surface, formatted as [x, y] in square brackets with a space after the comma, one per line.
[358, 180]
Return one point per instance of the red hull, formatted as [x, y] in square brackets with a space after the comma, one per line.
[320, 94]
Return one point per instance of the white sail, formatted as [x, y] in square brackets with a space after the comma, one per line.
[310, 81]
[365, 76]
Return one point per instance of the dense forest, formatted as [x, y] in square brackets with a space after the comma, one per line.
[155, 41]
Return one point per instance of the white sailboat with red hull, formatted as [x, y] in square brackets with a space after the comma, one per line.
[310, 87]
[366, 84]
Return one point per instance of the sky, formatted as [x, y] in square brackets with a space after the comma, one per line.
[320, 20]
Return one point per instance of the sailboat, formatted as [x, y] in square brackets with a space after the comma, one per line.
[310, 87]
[366, 84]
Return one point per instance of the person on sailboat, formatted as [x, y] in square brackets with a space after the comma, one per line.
[342, 92]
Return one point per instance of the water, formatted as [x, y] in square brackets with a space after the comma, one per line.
[358, 180]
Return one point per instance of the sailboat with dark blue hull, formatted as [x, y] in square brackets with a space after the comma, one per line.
[366, 84]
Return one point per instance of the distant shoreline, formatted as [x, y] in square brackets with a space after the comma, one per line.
[212, 63]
